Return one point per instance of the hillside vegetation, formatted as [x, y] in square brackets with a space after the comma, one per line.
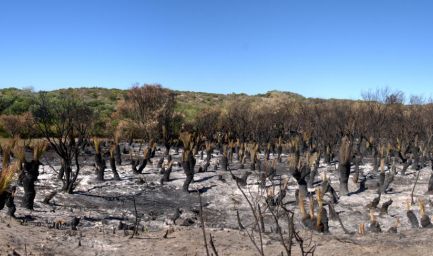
[103, 101]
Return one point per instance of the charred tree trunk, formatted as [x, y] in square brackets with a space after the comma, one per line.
[188, 164]
[61, 173]
[118, 155]
[311, 177]
[167, 171]
[406, 165]
[114, 168]
[208, 155]
[344, 169]
[166, 175]
[344, 165]
[382, 182]
[224, 162]
[314, 172]
[356, 168]
[70, 177]
[31, 173]
[134, 164]
[416, 159]
[142, 166]
[167, 148]
[100, 166]
[300, 176]
[279, 152]
[328, 155]
[67, 176]
[430, 181]
[322, 225]
[406, 162]
[390, 178]
[375, 160]
[160, 162]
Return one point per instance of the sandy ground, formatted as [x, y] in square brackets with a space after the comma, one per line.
[102, 206]
[30, 240]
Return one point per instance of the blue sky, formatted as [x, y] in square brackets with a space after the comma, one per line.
[322, 48]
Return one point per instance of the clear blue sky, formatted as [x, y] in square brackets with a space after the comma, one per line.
[322, 48]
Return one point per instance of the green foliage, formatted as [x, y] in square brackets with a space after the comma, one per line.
[103, 102]
[14, 101]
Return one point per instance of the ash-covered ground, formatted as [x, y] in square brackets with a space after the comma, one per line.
[103, 207]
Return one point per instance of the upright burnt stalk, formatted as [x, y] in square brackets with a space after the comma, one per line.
[30, 172]
[345, 155]
[224, 159]
[7, 192]
[188, 160]
[166, 138]
[402, 151]
[231, 150]
[424, 220]
[374, 224]
[430, 181]
[268, 151]
[99, 160]
[117, 152]
[416, 152]
[253, 150]
[153, 149]
[313, 164]
[390, 178]
[382, 176]
[411, 216]
[300, 172]
[113, 154]
[279, 149]
[136, 162]
[357, 160]
[375, 157]
[241, 151]
[166, 171]
[322, 214]
[328, 154]
[208, 146]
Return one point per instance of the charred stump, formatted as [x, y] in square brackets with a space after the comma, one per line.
[114, 168]
[7, 199]
[167, 171]
[188, 163]
[30, 175]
